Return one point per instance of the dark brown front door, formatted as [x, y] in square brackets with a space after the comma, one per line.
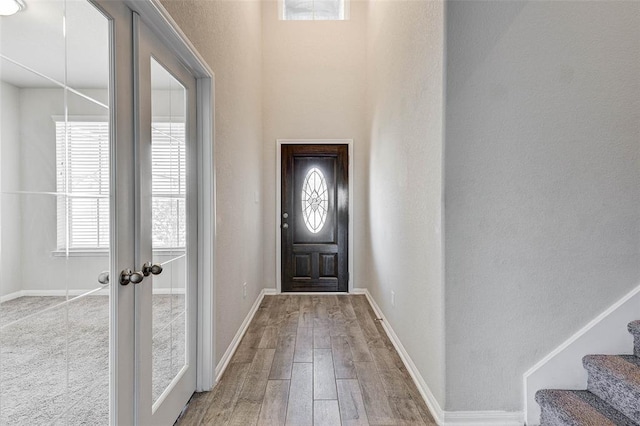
[315, 217]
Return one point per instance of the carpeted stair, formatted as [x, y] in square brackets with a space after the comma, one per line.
[612, 397]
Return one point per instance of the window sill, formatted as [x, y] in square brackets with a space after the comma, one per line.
[80, 253]
[105, 253]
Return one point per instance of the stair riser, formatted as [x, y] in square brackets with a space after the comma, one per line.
[620, 395]
[549, 418]
[636, 346]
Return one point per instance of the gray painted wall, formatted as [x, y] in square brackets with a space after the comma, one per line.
[542, 183]
[37, 145]
[228, 36]
[405, 108]
[10, 206]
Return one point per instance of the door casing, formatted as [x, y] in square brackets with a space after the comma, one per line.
[278, 212]
[159, 20]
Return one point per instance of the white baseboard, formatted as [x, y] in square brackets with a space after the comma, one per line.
[443, 418]
[76, 292]
[562, 368]
[434, 407]
[11, 296]
[52, 293]
[483, 418]
[226, 358]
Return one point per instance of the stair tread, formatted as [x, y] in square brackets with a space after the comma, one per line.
[615, 379]
[580, 408]
[625, 368]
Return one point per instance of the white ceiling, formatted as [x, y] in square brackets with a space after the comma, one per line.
[34, 39]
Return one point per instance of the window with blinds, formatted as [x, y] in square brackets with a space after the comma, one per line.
[82, 158]
[314, 10]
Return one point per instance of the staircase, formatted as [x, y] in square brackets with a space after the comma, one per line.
[612, 397]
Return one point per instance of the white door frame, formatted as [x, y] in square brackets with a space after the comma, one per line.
[157, 18]
[279, 143]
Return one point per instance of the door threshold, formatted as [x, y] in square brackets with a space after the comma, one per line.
[315, 293]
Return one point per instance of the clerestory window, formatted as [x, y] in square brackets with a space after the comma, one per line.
[314, 10]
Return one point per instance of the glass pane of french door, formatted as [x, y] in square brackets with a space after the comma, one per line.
[169, 231]
[55, 194]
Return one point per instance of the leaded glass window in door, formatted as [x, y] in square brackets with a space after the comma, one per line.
[315, 200]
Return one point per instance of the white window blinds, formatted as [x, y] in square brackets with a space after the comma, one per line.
[82, 154]
[169, 185]
[82, 158]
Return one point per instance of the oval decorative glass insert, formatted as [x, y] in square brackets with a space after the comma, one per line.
[315, 200]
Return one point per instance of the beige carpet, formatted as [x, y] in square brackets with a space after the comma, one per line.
[54, 357]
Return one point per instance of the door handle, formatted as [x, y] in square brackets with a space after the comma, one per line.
[127, 276]
[103, 278]
[149, 268]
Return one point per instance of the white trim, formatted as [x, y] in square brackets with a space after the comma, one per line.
[55, 293]
[562, 367]
[583, 331]
[434, 407]
[483, 418]
[226, 358]
[206, 235]
[315, 293]
[164, 26]
[454, 418]
[11, 296]
[279, 143]
[76, 292]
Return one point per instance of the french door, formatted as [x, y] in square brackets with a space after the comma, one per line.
[98, 214]
[165, 235]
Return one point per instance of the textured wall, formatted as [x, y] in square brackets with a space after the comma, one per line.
[405, 105]
[228, 36]
[314, 87]
[11, 209]
[542, 183]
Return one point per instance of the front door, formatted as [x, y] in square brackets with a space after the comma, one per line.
[315, 217]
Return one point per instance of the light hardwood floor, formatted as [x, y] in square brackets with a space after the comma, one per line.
[312, 360]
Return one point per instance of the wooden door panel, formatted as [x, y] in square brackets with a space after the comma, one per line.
[315, 217]
[302, 266]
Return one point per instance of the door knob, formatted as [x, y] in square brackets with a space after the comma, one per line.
[149, 268]
[103, 278]
[127, 276]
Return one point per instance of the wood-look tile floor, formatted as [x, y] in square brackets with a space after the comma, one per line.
[312, 360]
